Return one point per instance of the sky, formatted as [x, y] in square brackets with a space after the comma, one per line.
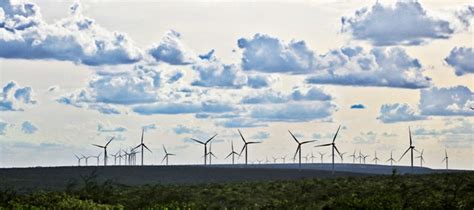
[76, 73]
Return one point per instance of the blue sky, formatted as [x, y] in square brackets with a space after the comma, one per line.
[75, 73]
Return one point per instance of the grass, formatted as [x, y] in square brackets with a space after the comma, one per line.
[433, 191]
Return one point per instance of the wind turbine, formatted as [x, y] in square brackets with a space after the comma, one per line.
[360, 157]
[283, 158]
[120, 156]
[205, 146]
[142, 145]
[412, 147]
[365, 156]
[421, 158]
[312, 157]
[342, 156]
[166, 155]
[116, 155]
[375, 158]
[333, 146]
[78, 160]
[105, 149]
[245, 147]
[298, 149]
[86, 158]
[232, 153]
[211, 154]
[322, 155]
[98, 157]
[445, 159]
[353, 157]
[391, 159]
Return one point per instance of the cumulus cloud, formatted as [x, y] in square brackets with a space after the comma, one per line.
[181, 129]
[105, 91]
[269, 54]
[447, 101]
[293, 112]
[171, 50]
[462, 60]
[107, 129]
[149, 127]
[405, 23]
[369, 137]
[392, 113]
[261, 135]
[3, 127]
[358, 106]
[28, 127]
[241, 122]
[25, 35]
[267, 96]
[213, 73]
[13, 97]
[383, 67]
[183, 108]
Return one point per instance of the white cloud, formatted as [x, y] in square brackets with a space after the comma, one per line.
[405, 23]
[171, 50]
[25, 35]
[462, 60]
[28, 127]
[447, 101]
[391, 113]
[14, 97]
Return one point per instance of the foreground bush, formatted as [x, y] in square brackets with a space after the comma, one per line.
[436, 191]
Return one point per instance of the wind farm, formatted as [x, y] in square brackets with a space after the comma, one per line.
[236, 105]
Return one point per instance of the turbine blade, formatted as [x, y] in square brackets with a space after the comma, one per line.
[323, 145]
[164, 158]
[305, 142]
[294, 137]
[334, 139]
[165, 149]
[211, 138]
[337, 151]
[409, 132]
[404, 153]
[109, 141]
[417, 151]
[228, 155]
[98, 145]
[197, 141]
[245, 145]
[147, 148]
[254, 142]
[241, 136]
[297, 149]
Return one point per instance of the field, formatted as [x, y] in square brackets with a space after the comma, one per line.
[200, 187]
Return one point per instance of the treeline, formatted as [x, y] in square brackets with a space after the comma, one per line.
[435, 191]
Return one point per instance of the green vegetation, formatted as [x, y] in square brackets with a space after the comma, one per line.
[435, 191]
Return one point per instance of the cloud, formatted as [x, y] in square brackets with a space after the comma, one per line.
[268, 54]
[3, 127]
[392, 113]
[149, 127]
[448, 101]
[358, 106]
[28, 128]
[240, 123]
[103, 129]
[381, 67]
[462, 60]
[183, 108]
[181, 129]
[137, 86]
[465, 16]
[267, 96]
[369, 137]
[76, 38]
[261, 135]
[213, 73]
[13, 97]
[457, 135]
[293, 112]
[405, 23]
[171, 50]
